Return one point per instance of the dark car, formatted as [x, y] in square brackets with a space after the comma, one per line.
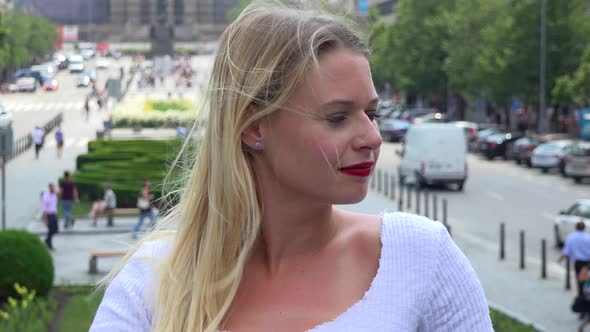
[31, 73]
[522, 149]
[479, 145]
[496, 145]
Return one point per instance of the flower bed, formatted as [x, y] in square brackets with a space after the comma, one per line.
[154, 113]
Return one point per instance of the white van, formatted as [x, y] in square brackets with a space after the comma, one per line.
[434, 153]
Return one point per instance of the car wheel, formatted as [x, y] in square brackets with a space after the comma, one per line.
[518, 161]
[489, 156]
[528, 163]
[544, 170]
[402, 180]
[577, 179]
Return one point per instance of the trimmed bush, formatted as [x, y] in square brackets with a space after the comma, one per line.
[24, 260]
[124, 164]
[159, 113]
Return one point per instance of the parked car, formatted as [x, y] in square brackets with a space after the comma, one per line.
[550, 155]
[102, 63]
[578, 161]
[36, 74]
[480, 143]
[431, 118]
[76, 64]
[87, 76]
[27, 84]
[522, 149]
[393, 130]
[470, 130]
[434, 153]
[5, 117]
[412, 113]
[60, 60]
[497, 145]
[50, 84]
[566, 221]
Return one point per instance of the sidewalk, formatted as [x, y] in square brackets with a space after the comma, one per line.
[520, 293]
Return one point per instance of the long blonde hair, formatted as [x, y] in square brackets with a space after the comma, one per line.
[261, 59]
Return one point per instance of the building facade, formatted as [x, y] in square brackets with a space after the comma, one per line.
[131, 20]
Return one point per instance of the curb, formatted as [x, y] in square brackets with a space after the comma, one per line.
[85, 232]
[516, 317]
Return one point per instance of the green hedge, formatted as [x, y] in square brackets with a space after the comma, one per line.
[124, 164]
[24, 260]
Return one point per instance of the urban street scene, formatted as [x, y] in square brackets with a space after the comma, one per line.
[247, 148]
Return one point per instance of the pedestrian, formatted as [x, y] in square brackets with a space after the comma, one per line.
[38, 137]
[59, 140]
[87, 107]
[106, 205]
[145, 206]
[259, 243]
[69, 195]
[49, 209]
[582, 304]
[577, 249]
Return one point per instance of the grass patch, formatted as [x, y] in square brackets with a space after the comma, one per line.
[82, 209]
[80, 308]
[503, 323]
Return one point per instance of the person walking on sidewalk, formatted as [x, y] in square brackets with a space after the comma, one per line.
[49, 209]
[258, 242]
[145, 206]
[38, 136]
[59, 140]
[69, 195]
[577, 249]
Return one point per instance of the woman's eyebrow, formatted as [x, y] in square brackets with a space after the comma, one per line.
[344, 103]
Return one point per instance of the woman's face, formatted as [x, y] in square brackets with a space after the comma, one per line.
[324, 142]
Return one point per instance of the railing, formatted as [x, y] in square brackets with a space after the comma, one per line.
[23, 143]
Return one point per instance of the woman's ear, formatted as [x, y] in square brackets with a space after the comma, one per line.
[252, 136]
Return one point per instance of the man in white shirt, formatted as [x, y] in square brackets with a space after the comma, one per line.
[49, 208]
[38, 135]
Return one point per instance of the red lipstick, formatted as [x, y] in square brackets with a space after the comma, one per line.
[360, 170]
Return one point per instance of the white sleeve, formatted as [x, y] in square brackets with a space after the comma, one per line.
[457, 300]
[123, 307]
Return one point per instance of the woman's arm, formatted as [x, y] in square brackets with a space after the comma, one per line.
[457, 300]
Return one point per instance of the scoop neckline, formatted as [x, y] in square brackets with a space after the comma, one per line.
[368, 292]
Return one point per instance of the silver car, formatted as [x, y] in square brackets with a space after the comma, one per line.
[566, 222]
[578, 161]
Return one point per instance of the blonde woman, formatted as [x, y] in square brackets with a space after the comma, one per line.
[258, 245]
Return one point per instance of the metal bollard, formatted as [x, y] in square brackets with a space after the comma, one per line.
[392, 188]
[385, 185]
[426, 204]
[568, 285]
[400, 205]
[418, 201]
[502, 241]
[408, 197]
[445, 212]
[522, 265]
[435, 207]
[543, 259]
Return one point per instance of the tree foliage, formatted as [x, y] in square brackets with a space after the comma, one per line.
[485, 48]
[24, 39]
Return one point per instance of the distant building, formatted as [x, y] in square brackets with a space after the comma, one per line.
[130, 20]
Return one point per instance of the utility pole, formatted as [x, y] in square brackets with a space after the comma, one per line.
[542, 53]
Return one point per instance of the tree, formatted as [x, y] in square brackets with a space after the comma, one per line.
[575, 87]
[18, 37]
[235, 12]
[4, 51]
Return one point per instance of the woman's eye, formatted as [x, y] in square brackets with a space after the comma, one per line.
[336, 119]
[373, 115]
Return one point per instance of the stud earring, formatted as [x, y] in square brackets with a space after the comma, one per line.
[258, 145]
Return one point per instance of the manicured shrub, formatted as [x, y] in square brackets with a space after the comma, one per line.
[24, 260]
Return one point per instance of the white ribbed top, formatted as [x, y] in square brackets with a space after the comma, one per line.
[424, 283]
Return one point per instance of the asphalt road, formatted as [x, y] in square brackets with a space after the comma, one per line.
[501, 191]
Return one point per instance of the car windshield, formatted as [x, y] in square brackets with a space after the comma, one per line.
[580, 210]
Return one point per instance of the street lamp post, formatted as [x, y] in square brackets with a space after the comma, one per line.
[542, 53]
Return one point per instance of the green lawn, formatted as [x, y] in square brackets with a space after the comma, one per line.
[503, 323]
[81, 210]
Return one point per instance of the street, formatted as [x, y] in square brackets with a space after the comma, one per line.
[501, 191]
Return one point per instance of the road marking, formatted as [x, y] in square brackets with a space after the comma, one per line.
[495, 195]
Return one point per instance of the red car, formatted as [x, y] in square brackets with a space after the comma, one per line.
[50, 84]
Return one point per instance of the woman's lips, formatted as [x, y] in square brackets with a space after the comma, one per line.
[361, 170]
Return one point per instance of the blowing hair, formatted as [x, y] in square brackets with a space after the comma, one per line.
[261, 59]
